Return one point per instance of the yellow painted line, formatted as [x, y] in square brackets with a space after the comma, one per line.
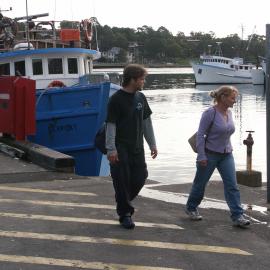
[114, 241]
[46, 191]
[75, 263]
[58, 203]
[86, 220]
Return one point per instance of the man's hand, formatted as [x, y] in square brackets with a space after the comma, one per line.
[113, 157]
[154, 153]
[203, 163]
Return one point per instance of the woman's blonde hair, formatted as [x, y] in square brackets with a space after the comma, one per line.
[224, 90]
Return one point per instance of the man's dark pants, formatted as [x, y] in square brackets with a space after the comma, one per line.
[129, 175]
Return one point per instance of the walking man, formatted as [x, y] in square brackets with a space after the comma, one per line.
[128, 122]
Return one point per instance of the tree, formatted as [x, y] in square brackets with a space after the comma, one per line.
[122, 56]
[105, 38]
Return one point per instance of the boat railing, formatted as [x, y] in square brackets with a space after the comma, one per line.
[46, 34]
[98, 77]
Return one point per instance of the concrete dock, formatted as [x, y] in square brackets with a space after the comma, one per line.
[58, 220]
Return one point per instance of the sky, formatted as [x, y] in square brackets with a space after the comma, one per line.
[225, 17]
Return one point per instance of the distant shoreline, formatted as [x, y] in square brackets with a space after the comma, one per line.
[121, 65]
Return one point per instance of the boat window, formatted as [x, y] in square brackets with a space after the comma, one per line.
[37, 67]
[72, 66]
[55, 66]
[241, 67]
[19, 68]
[246, 68]
[5, 69]
[232, 66]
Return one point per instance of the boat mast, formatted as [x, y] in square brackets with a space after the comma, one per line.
[27, 26]
[209, 49]
[218, 51]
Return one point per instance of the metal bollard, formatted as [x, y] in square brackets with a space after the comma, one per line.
[249, 177]
[249, 143]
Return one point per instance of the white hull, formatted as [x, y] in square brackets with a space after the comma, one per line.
[257, 76]
[205, 74]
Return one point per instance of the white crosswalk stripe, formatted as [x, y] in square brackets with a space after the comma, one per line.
[35, 190]
[124, 242]
[61, 204]
[76, 263]
[86, 220]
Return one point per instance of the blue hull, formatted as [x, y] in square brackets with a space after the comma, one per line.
[67, 121]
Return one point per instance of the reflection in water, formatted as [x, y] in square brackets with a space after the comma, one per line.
[168, 81]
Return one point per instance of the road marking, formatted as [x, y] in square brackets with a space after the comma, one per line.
[46, 191]
[149, 191]
[114, 241]
[87, 220]
[58, 203]
[76, 263]
[180, 198]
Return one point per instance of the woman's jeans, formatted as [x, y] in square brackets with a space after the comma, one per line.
[226, 167]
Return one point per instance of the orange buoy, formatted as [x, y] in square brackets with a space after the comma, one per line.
[56, 84]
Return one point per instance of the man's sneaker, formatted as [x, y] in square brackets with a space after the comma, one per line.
[193, 215]
[127, 222]
[241, 222]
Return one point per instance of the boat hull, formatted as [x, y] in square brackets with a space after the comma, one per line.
[206, 74]
[67, 121]
[257, 76]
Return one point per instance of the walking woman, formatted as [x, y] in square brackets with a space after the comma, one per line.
[215, 151]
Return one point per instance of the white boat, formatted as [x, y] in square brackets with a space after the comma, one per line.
[258, 75]
[217, 69]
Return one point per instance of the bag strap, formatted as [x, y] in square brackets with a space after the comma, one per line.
[211, 124]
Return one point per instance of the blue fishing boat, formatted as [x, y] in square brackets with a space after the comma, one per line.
[70, 98]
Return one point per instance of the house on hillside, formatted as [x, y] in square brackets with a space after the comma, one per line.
[133, 51]
[131, 54]
[111, 54]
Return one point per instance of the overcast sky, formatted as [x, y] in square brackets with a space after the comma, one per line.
[222, 17]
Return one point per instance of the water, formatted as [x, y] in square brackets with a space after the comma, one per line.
[177, 105]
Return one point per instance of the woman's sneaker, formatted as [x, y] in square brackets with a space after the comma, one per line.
[193, 215]
[241, 222]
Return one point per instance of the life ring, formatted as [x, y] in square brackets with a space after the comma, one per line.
[87, 29]
[56, 84]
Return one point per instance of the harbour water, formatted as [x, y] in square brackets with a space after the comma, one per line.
[177, 105]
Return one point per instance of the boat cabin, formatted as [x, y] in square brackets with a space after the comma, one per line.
[224, 62]
[49, 64]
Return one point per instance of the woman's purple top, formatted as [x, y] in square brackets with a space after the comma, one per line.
[218, 139]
